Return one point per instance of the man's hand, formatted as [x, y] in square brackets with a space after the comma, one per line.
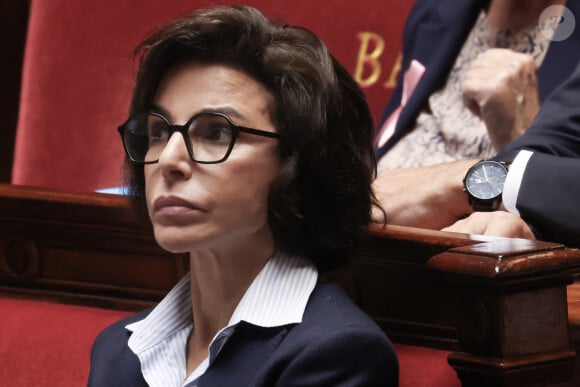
[426, 197]
[501, 88]
[498, 223]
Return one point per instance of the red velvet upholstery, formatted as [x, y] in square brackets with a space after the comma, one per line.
[78, 75]
[424, 367]
[48, 345]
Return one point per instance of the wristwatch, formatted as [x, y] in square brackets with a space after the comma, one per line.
[483, 184]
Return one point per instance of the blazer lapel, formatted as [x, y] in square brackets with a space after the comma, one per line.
[241, 358]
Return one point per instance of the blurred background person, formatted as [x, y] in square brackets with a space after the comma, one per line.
[473, 77]
[535, 197]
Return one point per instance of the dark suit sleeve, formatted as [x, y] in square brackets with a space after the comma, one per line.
[365, 359]
[112, 362]
[549, 197]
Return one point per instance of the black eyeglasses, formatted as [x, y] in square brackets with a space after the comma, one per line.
[209, 137]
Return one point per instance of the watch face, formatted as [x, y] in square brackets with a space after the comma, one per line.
[485, 179]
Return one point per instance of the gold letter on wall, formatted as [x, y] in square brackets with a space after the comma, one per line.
[392, 81]
[370, 59]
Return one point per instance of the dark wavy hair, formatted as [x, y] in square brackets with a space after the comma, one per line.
[320, 202]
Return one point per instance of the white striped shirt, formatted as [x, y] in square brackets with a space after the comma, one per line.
[277, 296]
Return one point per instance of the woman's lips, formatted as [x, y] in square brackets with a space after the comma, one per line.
[173, 205]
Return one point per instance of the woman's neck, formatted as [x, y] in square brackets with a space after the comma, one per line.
[517, 14]
[219, 278]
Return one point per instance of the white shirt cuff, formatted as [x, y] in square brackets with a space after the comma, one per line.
[513, 181]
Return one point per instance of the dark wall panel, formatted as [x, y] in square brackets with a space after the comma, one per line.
[13, 22]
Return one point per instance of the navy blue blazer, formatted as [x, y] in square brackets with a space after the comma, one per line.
[549, 197]
[335, 345]
[434, 34]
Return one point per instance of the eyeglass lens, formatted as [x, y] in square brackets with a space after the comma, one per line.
[210, 137]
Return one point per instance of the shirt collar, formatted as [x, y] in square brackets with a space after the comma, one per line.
[279, 293]
[173, 313]
[277, 296]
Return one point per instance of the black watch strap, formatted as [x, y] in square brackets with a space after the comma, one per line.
[485, 206]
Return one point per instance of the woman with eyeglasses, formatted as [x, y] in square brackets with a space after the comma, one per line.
[249, 146]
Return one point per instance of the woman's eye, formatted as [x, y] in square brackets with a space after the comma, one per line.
[158, 133]
[214, 133]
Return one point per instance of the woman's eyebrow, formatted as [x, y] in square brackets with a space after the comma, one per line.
[160, 110]
[229, 111]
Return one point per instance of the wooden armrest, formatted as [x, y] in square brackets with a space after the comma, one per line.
[498, 303]
[81, 248]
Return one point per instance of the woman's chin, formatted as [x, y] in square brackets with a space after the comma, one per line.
[174, 249]
[177, 240]
[174, 243]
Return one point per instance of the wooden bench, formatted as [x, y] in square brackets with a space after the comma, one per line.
[498, 305]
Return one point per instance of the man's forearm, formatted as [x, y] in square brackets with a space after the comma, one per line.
[427, 197]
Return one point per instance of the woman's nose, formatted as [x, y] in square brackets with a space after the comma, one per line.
[174, 160]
